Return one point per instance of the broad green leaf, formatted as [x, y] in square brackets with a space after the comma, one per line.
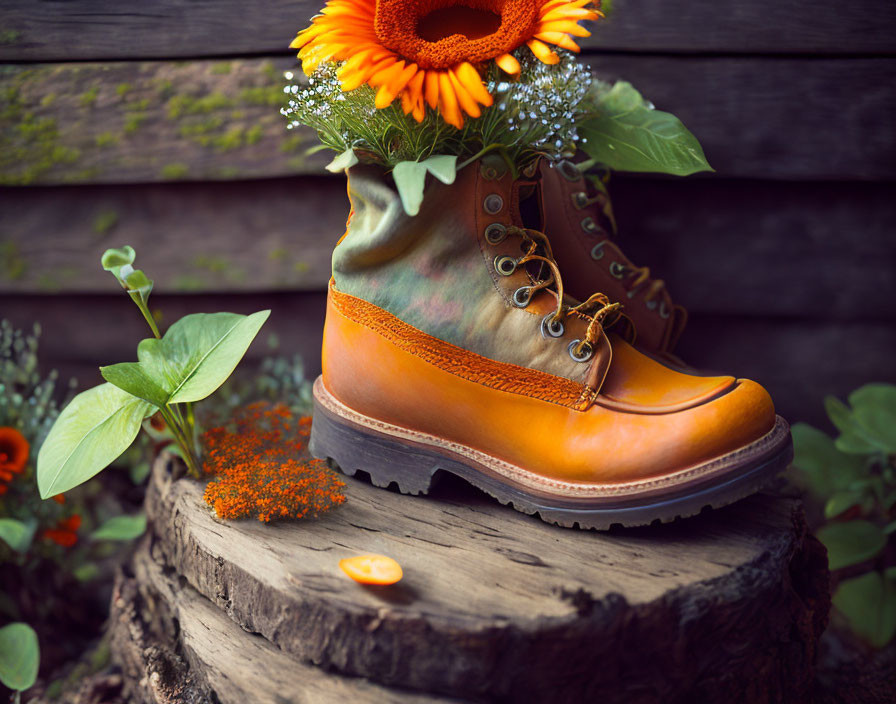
[874, 410]
[626, 134]
[853, 438]
[113, 259]
[121, 528]
[343, 161]
[851, 543]
[826, 470]
[869, 604]
[410, 177]
[198, 353]
[19, 656]
[131, 377]
[890, 528]
[92, 431]
[443, 167]
[17, 534]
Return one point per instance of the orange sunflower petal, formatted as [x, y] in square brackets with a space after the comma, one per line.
[508, 64]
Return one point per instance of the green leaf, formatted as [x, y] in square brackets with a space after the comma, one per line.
[92, 431]
[19, 656]
[198, 353]
[131, 377]
[121, 528]
[86, 572]
[853, 438]
[890, 528]
[17, 534]
[869, 604]
[841, 502]
[626, 134]
[138, 283]
[113, 259]
[410, 177]
[851, 543]
[874, 410]
[343, 161]
[443, 167]
[825, 469]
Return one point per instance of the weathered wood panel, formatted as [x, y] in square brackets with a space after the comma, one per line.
[172, 121]
[44, 30]
[817, 250]
[497, 606]
[799, 361]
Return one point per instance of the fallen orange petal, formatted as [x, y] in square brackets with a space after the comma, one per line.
[372, 569]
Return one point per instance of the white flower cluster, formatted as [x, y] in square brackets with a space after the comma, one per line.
[535, 114]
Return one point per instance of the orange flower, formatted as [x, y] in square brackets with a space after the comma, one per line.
[14, 449]
[262, 469]
[431, 51]
[65, 534]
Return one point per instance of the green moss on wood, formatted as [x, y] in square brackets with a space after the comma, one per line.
[88, 97]
[172, 172]
[48, 100]
[122, 89]
[105, 222]
[133, 122]
[9, 36]
[107, 139]
[12, 263]
[221, 68]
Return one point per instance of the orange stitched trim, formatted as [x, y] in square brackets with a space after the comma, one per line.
[456, 360]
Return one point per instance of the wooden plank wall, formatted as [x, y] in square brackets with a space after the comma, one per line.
[158, 126]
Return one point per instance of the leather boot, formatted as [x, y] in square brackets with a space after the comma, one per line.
[450, 346]
[578, 218]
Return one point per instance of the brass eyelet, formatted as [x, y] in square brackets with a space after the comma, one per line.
[505, 265]
[651, 304]
[569, 170]
[589, 226]
[551, 327]
[495, 233]
[522, 296]
[617, 270]
[579, 199]
[493, 204]
[583, 356]
[631, 294]
[597, 251]
[664, 311]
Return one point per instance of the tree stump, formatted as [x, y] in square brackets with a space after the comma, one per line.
[495, 605]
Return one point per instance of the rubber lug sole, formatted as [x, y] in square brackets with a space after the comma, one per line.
[414, 467]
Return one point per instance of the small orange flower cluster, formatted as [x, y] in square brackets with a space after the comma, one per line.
[261, 467]
[14, 449]
[65, 533]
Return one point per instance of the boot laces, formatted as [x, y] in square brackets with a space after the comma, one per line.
[598, 304]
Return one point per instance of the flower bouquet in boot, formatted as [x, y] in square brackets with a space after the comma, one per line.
[450, 344]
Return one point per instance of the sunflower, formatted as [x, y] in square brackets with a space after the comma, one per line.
[430, 52]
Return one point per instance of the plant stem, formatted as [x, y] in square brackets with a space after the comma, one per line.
[141, 304]
[180, 436]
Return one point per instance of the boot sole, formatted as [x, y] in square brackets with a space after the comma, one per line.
[412, 462]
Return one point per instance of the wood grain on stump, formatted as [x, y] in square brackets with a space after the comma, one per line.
[176, 647]
[498, 606]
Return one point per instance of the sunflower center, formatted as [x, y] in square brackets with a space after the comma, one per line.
[444, 33]
[469, 22]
